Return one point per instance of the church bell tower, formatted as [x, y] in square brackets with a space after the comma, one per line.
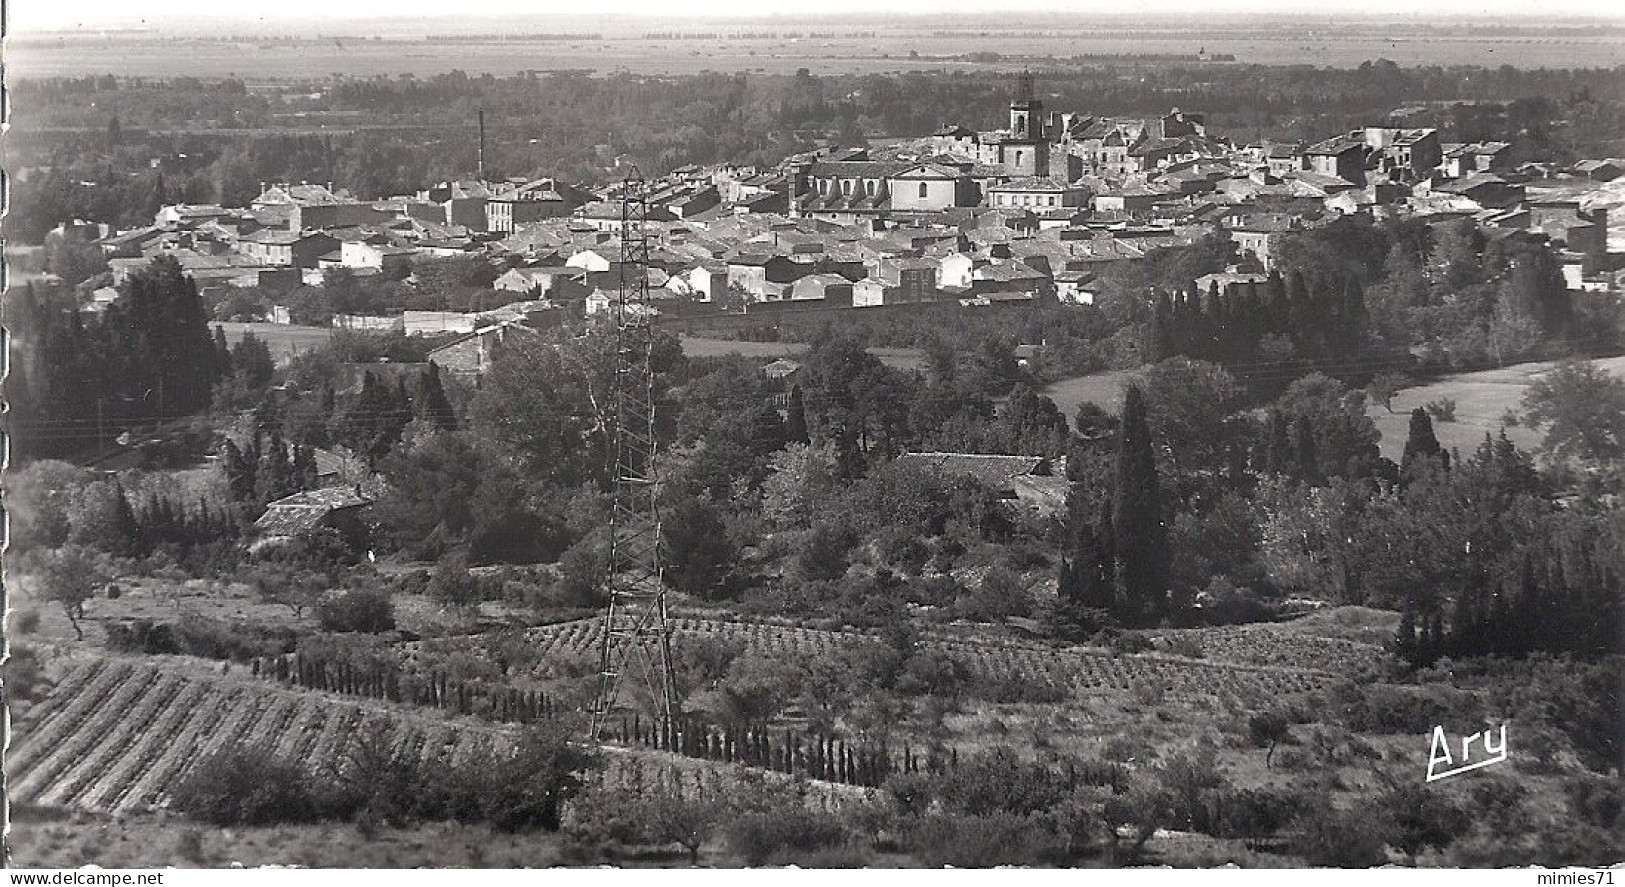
[1026, 111]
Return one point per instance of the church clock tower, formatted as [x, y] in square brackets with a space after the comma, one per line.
[1025, 151]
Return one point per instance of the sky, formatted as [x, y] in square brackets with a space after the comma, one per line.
[37, 15]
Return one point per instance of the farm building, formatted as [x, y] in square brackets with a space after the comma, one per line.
[1033, 481]
[334, 508]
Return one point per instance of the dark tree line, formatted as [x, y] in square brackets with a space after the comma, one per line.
[147, 357]
[166, 521]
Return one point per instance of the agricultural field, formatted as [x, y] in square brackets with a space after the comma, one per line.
[1104, 390]
[284, 340]
[1083, 671]
[116, 734]
[1482, 399]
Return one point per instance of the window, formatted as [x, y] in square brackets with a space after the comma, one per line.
[923, 190]
[1052, 200]
[846, 187]
[871, 188]
[1018, 158]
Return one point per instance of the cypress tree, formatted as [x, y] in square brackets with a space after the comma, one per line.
[126, 541]
[432, 403]
[1141, 538]
[1436, 637]
[222, 352]
[795, 418]
[1405, 640]
[1420, 442]
[275, 477]
[239, 472]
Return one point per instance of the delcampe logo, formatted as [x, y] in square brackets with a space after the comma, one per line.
[1471, 758]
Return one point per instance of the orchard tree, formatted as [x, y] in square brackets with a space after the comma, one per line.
[68, 576]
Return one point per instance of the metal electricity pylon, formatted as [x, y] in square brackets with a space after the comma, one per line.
[636, 641]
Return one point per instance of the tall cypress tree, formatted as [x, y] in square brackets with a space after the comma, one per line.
[1420, 442]
[239, 470]
[795, 417]
[126, 541]
[275, 477]
[432, 403]
[1141, 539]
[222, 352]
[1405, 639]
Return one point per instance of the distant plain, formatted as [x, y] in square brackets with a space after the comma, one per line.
[852, 51]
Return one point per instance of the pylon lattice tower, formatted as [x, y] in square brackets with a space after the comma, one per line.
[636, 641]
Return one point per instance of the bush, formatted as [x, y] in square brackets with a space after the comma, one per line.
[583, 567]
[247, 786]
[1122, 642]
[1596, 801]
[984, 841]
[1338, 838]
[999, 782]
[197, 636]
[931, 673]
[361, 609]
[1442, 410]
[758, 837]
[1392, 709]
[518, 536]
[1000, 595]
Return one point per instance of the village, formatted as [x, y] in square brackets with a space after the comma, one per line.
[1093, 491]
[1029, 214]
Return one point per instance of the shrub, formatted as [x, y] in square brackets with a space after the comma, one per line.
[1595, 801]
[360, 609]
[583, 566]
[984, 841]
[999, 782]
[197, 636]
[1442, 410]
[1001, 594]
[933, 673]
[1334, 838]
[27, 621]
[247, 786]
[530, 787]
[518, 536]
[1187, 646]
[1122, 642]
[758, 837]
